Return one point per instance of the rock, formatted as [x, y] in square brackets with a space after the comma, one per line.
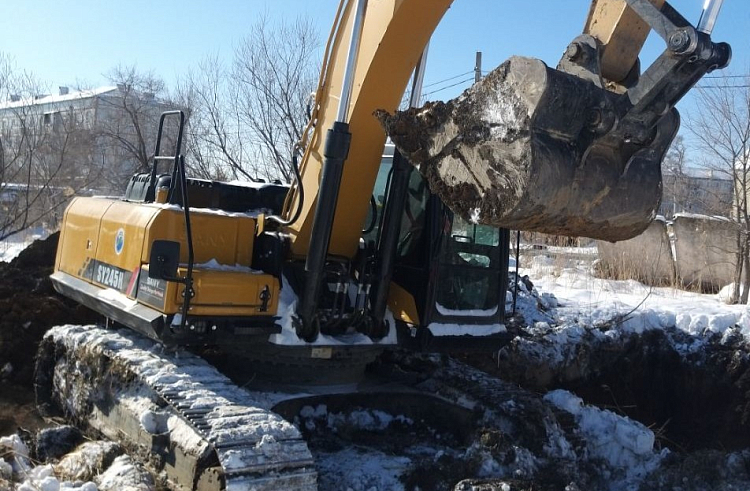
[53, 443]
[87, 461]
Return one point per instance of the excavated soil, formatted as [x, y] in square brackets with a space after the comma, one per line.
[28, 307]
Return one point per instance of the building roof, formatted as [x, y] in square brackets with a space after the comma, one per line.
[53, 98]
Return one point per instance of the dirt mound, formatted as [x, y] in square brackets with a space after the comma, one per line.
[28, 307]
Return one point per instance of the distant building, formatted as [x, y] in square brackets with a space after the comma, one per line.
[704, 193]
[93, 131]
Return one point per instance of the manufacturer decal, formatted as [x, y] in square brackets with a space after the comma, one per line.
[152, 291]
[119, 241]
[108, 276]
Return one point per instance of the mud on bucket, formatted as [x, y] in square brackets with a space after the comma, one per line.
[533, 148]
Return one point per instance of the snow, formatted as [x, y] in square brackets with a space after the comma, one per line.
[205, 211]
[215, 265]
[251, 184]
[57, 98]
[626, 445]
[19, 458]
[587, 301]
[352, 469]
[466, 313]
[124, 475]
[288, 335]
[6, 470]
[12, 246]
[116, 298]
[439, 329]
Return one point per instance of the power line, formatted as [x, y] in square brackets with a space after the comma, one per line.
[447, 79]
[744, 86]
[726, 76]
[470, 79]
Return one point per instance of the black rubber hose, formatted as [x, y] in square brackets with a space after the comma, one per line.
[374, 220]
[298, 180]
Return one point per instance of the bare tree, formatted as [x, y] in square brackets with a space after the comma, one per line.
[675, 161]
[247, 117]
[43, 155]
[218, 143]
[721, 129]
[273, 76]
[127, 120]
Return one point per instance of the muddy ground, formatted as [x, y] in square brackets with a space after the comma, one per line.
[28, 307]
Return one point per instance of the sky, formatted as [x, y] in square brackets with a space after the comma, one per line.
[75, 43]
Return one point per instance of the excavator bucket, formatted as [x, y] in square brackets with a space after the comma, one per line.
[560, 151]
[519, 150]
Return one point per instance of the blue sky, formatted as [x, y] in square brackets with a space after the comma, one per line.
[65, 43]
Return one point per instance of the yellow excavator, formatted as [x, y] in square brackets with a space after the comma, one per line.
[371, 248]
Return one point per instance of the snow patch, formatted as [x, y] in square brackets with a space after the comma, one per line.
[466, 313]
[125, 475]
[352, 470]
[19, 454]
[215, 265]
[116, 298]
[626, 445]
[287, 310]
[12, 246]
[439, 329]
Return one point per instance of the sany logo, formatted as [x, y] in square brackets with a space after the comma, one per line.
[119, 241]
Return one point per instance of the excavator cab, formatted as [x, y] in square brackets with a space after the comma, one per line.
[455, 271]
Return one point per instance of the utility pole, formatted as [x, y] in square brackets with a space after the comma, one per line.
[478, 67]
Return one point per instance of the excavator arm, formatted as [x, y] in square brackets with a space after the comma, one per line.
[621, 32]
[566, 151]
[392, 37]
[574, 150]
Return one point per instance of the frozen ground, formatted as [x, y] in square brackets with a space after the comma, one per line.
[587, 300]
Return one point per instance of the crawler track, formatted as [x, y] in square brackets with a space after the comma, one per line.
[187, 421]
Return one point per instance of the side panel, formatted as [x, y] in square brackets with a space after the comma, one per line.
[120, 245]
[228, 239]
[221, 293]
[79, 236]
[402, 304]
[232, 293]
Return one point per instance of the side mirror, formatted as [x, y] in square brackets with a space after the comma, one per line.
[164, 259]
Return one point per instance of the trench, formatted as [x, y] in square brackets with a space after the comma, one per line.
[691, 402]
